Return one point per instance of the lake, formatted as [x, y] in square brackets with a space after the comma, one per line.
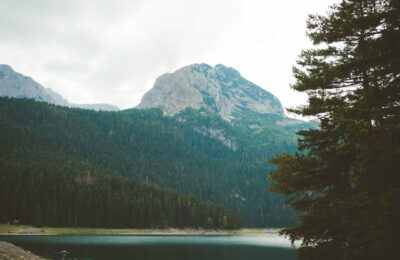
[244, 247]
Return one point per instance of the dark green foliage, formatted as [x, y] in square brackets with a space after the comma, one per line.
[68, 193]
[346, 183]
[174, 152]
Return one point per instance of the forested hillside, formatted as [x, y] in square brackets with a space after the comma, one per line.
[188, 153]
[69, 193]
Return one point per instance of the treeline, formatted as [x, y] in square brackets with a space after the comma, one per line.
[70, 194]
[146, 146]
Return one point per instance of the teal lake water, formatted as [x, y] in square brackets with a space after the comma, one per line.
[249, 247]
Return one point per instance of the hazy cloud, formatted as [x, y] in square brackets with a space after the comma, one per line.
[112, 51]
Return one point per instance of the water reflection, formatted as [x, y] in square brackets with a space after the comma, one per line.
[269, 246]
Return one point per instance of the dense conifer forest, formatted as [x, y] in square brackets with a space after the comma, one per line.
[71, 194]
[62, 149]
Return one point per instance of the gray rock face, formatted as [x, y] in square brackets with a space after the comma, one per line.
[220, 135]
[16, 85]
[13, 84]
[218, 89]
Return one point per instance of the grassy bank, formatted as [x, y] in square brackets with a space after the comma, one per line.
[29, 230]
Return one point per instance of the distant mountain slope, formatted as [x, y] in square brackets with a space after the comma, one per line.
[96, 107]
[221, 90]
[193, 153]
[214, 143]
[13, 84]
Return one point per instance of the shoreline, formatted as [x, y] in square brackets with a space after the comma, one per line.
[11, 251]
[30, 230]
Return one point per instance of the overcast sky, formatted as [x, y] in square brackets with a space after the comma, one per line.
[113, 51]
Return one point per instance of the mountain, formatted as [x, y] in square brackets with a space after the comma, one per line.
[96, 107]
[219, 89]
[147, 147]
[203, 132]
[14, 84]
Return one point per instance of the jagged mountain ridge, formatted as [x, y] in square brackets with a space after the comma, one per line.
[14, 84]
[217, 89]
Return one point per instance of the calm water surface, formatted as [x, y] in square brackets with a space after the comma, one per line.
[251, 247]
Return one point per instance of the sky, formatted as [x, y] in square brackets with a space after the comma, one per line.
[98, 51]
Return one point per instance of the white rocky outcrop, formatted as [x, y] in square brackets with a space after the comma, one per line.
[218, 89]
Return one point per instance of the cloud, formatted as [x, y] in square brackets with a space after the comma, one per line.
[112, 51]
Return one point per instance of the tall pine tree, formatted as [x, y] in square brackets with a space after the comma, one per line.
[345, 182]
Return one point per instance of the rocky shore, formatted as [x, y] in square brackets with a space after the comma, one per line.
[10, 251]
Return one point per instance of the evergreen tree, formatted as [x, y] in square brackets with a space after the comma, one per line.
[345, 183]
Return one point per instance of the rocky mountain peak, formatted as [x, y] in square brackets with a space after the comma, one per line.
[219, 89]
[16, 85]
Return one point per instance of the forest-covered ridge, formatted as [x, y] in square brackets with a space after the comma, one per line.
[187, 153]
